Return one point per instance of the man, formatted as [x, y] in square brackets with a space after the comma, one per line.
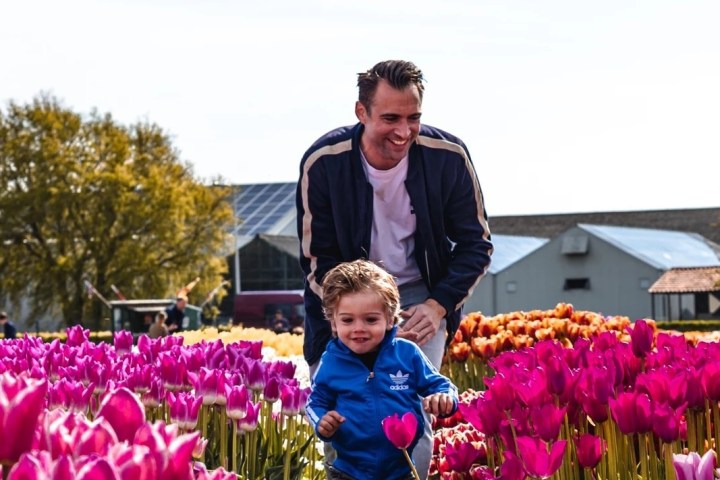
[9, 329]
[402, 194]
[280, 324]
[176, 314]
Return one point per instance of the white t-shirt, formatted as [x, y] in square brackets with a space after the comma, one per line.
[392, 243]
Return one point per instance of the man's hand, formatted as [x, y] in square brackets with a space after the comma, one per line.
[329, 423]
[422, 321]
[439, 404]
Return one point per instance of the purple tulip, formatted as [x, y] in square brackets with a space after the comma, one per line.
[271, 393]
[123, 341]
[290, 399]
[250, 421]
[184, 409]
[710, 379]
[77, 336]
[590, 449]
[237, 401]
[460, 459]
[400, 431]
[693, 467]
[632, 412]
[641, 338]
[124, 412]
[173, 371]
[666, 421]
[539, 462]
[21, 402]
[512, 468]
[503, 391]
[254, 375]
[483, 414]
[547, 420]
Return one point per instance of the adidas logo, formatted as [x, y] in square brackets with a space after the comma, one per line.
[399, 380]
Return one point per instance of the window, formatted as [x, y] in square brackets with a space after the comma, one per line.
[574, 245]
[577, 284]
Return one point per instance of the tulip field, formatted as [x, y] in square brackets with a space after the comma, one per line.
[559, 394]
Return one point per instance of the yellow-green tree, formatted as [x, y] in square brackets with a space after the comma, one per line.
[83, 198]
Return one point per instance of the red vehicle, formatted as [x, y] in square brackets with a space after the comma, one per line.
[257, 308]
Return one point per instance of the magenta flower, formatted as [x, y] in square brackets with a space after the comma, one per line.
[123, 341]
[710, 379]
[692, 467]
[547, 420]
[463, 457]
[400, 431]
[184, 409]
[539, 462]
[483, 414]
[641, 338]
[237, 401]
[124, 412]
[76, 336]
[632, 412]
[289, 399]
[254, 374]
[271, 393]
[250, 421]
[21, 402]
[512, 468]
[590, 449]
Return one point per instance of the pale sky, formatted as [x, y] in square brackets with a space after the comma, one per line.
[565, 106]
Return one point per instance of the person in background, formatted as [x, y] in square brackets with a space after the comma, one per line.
[367, 373]
[404, 194]
[280, 324]
[9, 329]
[159, 328]
[176, 314]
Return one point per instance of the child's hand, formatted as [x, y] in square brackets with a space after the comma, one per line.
[439, 404]
[329, 423]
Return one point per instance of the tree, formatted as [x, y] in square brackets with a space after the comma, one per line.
[87, 199]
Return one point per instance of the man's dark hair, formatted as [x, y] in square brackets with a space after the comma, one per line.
[398, 73]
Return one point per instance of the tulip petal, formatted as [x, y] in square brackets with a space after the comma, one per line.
[124, 412]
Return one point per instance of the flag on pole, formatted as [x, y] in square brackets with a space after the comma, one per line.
[118, 292]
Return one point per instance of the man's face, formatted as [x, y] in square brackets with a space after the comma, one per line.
[181, 304]
[391, 124]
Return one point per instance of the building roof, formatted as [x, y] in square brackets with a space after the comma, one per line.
[663, 249]
[705, 221]
[508, 249]
[261, 207]
[688, 280]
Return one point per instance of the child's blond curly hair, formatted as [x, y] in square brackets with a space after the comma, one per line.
[360, 276]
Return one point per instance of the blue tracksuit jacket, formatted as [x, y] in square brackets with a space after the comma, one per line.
[401, 377]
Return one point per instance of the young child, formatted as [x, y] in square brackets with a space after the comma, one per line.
[367, 374]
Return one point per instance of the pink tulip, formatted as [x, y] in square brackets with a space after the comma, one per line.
[271, 393]
[400, 431]
[124, 412]
[547, 420]
[460, 459]
[693, 467]
[184, 409]
[512, 468]
[123, 341]
[76, 336]
[290, 399]
[641, 338]
[173, 371]
[21, 402]
[254, 375]
[249, 423]
[632, 412]
[590, 449]
[237, 401]
[539, 462]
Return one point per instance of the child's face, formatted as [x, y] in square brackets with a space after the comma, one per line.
[360, 321]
